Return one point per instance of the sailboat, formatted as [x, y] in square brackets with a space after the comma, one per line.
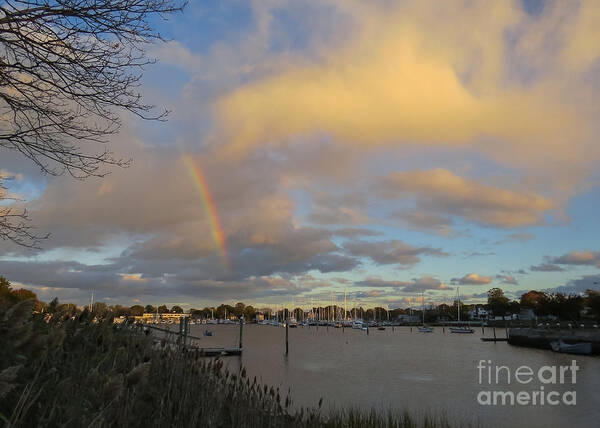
[424, 328]
[463, 329]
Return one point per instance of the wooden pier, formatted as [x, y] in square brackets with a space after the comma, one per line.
[184, 340]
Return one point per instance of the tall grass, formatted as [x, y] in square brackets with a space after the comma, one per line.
[63, 371]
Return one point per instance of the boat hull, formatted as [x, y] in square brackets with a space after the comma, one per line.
[576, 348]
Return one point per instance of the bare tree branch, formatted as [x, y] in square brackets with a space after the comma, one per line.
[67, 69]
[14, 226]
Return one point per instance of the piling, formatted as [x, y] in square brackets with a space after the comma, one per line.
[187, 330]
[494, 333]
[241, 328]
[286, 338]
[367, 331]
[181, 327]
[482, 329]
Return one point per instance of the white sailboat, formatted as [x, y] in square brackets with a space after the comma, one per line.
[463, 329]
[424, 328]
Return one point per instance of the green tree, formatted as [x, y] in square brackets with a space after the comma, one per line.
[137, 310]
[593, 301]
[100, 308]
[238, 309]
[162, 309]
[6, 296]
[150, 309]
[121, 311]
[497, 301]
[176, 310]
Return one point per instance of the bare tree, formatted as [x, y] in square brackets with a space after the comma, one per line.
[14, 225]
[68, 68]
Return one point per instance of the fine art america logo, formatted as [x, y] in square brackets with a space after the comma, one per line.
[546, 385]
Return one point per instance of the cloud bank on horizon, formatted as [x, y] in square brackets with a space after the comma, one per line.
[384, 148]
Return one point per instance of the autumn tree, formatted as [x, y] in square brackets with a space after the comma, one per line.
[68, 70]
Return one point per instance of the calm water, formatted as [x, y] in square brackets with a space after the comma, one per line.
[403, 370]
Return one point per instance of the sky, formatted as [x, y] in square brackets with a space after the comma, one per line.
[382, 149]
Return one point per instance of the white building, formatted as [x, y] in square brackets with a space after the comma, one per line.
[478, 313]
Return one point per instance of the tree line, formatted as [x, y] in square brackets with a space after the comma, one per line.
[543, 304]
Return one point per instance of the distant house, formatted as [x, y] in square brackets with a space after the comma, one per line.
[409, 319]
[478, 313]
[527, 314]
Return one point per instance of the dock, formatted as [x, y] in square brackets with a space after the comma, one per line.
[185, 341]
[215, 352]
[541, 337]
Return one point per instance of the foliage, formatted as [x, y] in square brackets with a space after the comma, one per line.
[8, 296]
[593, 301]
[176, 310]
[497, 301]
[137, 310]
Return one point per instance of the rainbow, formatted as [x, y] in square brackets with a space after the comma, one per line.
[209, 208]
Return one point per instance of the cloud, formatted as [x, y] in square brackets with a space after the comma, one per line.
[391, 252]
[424, 283]
[353, 232]
[500, 89]
[378, 282]
[472, 279]
[507, 279]
[579, 285]
[546, 267]
[579, 258]
[441, 191]
[380, 116]
[519, 237]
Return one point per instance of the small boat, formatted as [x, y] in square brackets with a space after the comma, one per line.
[461, 330]
[380, 328]
[208, 333]
[424, 328]
[292, 323]
[584, 348]
[358, 324]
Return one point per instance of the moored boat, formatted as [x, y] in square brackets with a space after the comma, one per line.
[463, 330]
[582, 348]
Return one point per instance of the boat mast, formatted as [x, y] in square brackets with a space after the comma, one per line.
[423, 306]
[458, 303]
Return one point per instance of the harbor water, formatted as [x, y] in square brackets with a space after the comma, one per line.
[425, 373]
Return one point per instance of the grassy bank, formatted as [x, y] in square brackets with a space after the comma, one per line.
[57, 371]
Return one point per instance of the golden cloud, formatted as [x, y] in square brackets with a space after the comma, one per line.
[442, 191]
